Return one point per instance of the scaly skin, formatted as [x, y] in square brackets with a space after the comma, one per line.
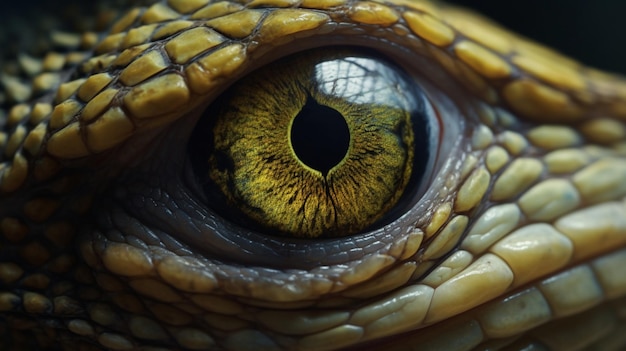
[105, 241]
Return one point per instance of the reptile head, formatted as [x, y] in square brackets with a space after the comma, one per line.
[148, 176]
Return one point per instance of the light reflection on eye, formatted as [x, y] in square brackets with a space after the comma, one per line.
[364, 81]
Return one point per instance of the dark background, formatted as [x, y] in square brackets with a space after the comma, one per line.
[592, 31]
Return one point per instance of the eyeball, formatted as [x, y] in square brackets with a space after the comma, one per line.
[320, 144]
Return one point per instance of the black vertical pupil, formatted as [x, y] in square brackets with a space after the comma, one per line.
[320, 136]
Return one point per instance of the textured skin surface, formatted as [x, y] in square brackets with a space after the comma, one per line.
[105, 243]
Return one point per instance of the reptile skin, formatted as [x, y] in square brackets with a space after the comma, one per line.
[518, 240]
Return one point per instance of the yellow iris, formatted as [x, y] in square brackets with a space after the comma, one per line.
[316, 145]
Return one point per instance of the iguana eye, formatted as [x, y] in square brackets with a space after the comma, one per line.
[324, 143]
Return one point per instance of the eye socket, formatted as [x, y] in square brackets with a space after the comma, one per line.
[324, 143]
